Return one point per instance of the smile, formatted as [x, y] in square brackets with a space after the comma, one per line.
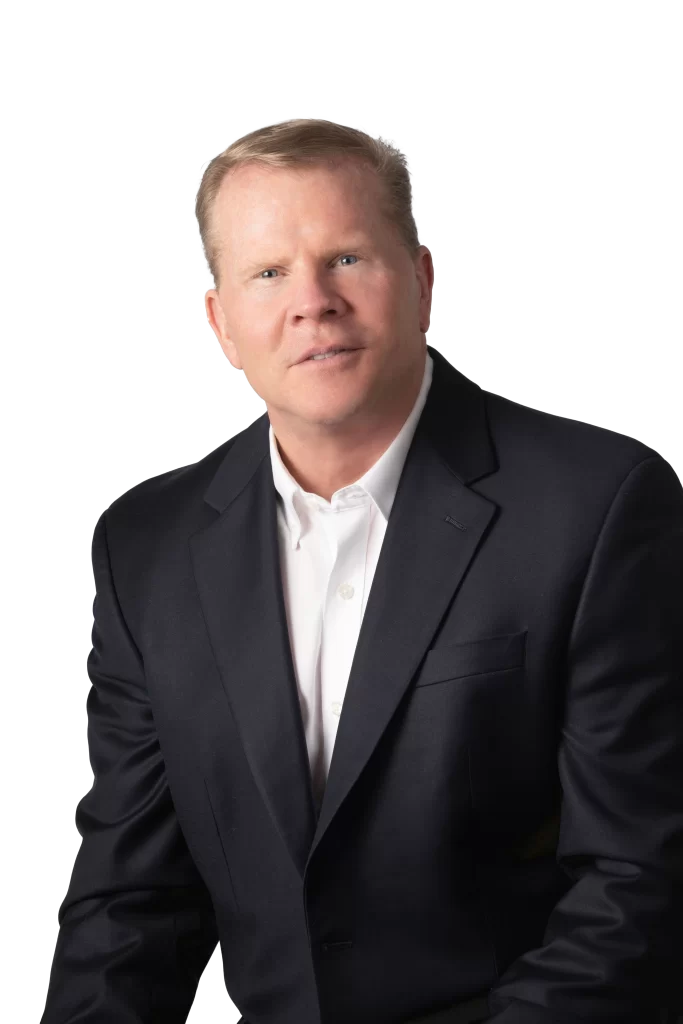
[334, 355]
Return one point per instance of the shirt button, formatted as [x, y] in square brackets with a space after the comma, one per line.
[345, 590]
[336, 708]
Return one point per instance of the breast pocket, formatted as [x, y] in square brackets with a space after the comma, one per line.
[473, 657]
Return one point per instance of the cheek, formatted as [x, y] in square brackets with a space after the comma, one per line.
[398, 309]
[251, 323]
[378, 300]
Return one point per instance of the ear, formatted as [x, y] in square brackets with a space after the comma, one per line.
[424, 269]
[216, 317]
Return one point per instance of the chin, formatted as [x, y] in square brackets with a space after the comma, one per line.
[328, 413]
[328, 418]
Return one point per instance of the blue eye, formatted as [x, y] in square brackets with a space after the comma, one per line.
[350, 256]
[267, 271]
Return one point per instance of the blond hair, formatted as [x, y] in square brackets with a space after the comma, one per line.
[304, 142]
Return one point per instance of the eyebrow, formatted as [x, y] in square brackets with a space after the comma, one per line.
[258, 264]
[348, 246]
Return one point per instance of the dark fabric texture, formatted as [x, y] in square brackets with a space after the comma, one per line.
[504, 810]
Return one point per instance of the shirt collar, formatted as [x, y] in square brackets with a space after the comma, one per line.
[380, 481]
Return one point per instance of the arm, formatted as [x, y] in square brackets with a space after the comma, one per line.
[613, 946]
[137, 925]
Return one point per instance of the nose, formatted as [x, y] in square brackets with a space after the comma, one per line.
[314, 297]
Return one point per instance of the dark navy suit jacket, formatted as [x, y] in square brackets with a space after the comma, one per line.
[504, 809]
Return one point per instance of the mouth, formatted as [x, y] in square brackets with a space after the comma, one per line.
[330, 355]
[335, 357]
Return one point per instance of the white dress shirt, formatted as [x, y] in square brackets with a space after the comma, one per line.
[328, 556]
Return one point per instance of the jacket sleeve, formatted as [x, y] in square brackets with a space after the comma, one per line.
[136, 927]
[613, 945]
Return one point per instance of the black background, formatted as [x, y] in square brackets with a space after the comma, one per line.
[547, 217]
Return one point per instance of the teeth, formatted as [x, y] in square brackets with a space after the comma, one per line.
[326, 355]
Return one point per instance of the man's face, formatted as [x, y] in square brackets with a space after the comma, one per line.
[308, 259]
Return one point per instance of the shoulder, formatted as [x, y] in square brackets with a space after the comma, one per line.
[169, 503]
[547, 445]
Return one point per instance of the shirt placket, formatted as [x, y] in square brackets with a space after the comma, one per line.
[347, 531]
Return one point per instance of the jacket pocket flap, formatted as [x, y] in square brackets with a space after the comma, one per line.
[473, 657]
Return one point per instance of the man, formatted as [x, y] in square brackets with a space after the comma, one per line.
[387, 690]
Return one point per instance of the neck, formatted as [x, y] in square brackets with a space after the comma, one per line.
[323, 459]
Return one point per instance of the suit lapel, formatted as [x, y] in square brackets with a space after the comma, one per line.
[436, 526]
[236, 565]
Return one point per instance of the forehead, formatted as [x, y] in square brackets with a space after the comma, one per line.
[256, 202]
